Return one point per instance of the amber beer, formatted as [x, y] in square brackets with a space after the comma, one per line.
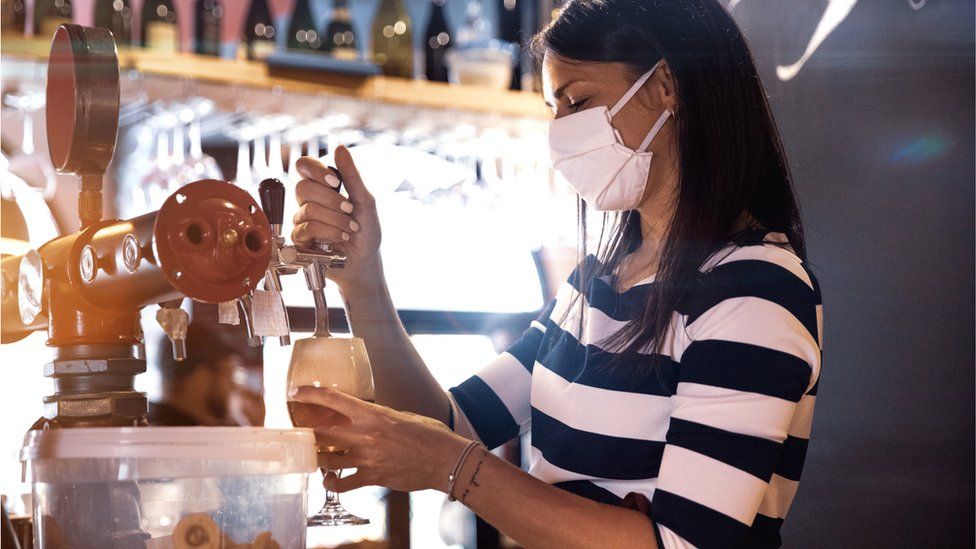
[340, 363]
[313, 415]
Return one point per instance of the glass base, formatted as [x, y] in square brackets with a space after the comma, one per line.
[332, 514]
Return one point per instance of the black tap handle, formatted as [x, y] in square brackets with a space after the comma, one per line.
[272, 193]
[338, 174]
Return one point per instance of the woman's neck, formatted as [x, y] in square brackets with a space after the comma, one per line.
[655, 214]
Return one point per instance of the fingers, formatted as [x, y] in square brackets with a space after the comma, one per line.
[337, 437]
[309, 190]
[328, 397]
[315, 231]
[333, 461]
[348, 483]
[312, 211]
[350, 176]
[312, 169]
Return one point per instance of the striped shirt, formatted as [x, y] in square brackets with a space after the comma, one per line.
[715, 437]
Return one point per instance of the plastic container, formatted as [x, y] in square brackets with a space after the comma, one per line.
[487, 64]
[169, 487]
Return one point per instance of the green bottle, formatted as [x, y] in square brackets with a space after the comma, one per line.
[392, 40]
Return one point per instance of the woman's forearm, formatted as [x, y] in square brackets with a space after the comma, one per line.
[537, 515]
[401, 378]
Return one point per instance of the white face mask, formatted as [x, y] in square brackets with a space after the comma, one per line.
[588, 152]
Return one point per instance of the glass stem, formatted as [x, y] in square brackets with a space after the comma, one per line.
[294, 152]
[196, 149]
[27, 145]
[243, 176]
[179, 146]
[331, 498]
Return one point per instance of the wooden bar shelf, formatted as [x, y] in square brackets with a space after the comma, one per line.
[420, 93]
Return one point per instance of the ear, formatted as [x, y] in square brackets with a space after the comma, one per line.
[660, 89]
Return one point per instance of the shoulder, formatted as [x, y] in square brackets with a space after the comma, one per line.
[768, 256]
[756, 282]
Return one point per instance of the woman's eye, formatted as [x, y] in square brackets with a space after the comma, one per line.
[575, 105]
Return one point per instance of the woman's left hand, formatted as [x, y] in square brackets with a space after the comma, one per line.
[397, 450]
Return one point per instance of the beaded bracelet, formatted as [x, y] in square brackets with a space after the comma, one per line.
[453, 477]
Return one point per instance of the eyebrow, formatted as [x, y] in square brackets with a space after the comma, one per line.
[560, 91]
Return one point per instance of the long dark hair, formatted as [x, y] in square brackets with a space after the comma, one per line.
[731, 159]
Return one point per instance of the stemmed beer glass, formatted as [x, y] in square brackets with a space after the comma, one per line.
[326, 361]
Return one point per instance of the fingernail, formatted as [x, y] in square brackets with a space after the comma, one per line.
[346, 207]
[292, 391]
[332, 180]
[345, 236]
[354, 226]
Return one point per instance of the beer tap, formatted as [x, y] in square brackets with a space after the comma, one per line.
[245, 303]
[289, 259]
[208, 242]
[314, 263]
[272, 193]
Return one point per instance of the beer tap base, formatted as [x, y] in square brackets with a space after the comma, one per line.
[94, 387]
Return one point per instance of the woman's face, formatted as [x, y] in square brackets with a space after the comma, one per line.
[570, 86]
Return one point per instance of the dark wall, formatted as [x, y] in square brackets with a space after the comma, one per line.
[879, 129]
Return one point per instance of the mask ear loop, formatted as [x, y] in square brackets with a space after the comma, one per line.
[633, 90]
[657, 127]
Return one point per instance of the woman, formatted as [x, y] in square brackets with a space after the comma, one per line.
[669, 387]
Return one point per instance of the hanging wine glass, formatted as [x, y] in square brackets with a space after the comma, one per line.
[301, 140]
[259, 160]
[28, 163]
[181, 170]
[277, 125]
[155, 183]
[204, 165]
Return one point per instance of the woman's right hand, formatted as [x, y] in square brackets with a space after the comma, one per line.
[350, 225]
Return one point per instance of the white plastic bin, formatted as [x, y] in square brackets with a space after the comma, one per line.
[169, 487]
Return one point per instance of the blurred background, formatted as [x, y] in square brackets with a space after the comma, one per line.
[875, 101]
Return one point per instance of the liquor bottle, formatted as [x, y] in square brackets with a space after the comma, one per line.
[512, 28]
[392, 40]
[339, 39]
[302, 34]
[159, 30]
[476, 30]
[116, 16]
[259, 31]
[437, 40]
[48, 14]
[209, 15]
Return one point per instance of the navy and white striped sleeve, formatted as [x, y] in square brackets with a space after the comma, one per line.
[739, 410]
[493, 405]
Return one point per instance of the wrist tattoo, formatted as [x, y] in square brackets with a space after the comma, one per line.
[473, 481]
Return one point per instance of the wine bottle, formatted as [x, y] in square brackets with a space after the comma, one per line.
[302, 34]
[259, 31]
[14, 15]
[392, 40]
[20, 15]
[116, 16]
[340, 40]
[6, 24]
[209, 15]
[48, 14]
[437, 40]
[159, 26]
